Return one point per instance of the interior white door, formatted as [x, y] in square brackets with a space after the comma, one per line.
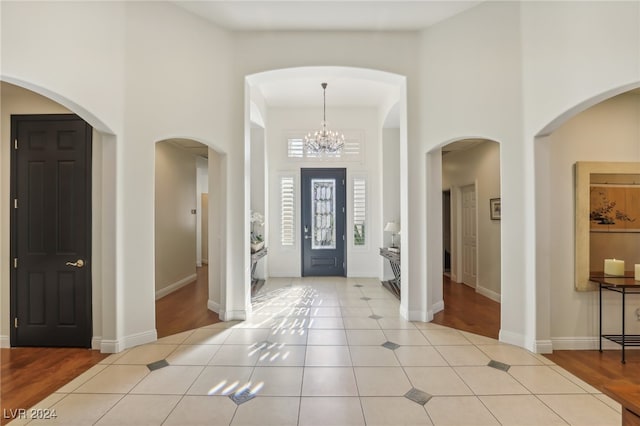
[469, 235]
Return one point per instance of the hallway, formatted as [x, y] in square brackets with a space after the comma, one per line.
[186, 308]
[467, 310]
[328, 351]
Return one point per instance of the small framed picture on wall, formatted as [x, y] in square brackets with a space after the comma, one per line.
[494, 208]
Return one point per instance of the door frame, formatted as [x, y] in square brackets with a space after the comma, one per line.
[447, 232]
[302, 233]
[13, 238]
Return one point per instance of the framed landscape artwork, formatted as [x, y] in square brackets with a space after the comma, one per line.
[494, 208]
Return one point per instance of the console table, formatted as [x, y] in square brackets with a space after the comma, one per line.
[623, 285]
[256, 284]
[392, 285]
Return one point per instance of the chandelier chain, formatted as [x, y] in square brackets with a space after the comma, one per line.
[324, 141]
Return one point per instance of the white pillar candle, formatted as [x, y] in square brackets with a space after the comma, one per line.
[614, 267]
[637, 270]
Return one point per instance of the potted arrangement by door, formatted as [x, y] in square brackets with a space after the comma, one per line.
[257, 241]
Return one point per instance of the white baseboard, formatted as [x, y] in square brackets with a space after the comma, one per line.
[515, 339]
[419, 316]
[581, 343]
[404, 313]
[198, 264]
[543, 346]
[106, 346]
[115, 346]
[435, 308]
[139, 338]
[233, 315]
[488, 293]
[175, 286]
[424, 316]
[213, 306]
[110, 346]
[559, 343]
[96, 342]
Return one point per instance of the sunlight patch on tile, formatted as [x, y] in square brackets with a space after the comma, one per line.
[217, 387]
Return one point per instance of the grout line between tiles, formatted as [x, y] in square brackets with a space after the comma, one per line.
[552, 410]
[487, 408]
[109, 410]
[298, 300]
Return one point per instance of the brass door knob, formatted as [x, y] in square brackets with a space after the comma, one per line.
[78, 263]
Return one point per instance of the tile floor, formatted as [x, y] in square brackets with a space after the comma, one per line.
[327, 351]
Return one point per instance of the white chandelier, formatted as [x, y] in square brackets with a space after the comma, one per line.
[324, 141]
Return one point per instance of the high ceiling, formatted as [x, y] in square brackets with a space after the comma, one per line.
[349, 15]
[305, 90]
[301, 88]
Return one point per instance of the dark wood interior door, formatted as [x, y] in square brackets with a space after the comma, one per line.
[323, 195]
[51, 231]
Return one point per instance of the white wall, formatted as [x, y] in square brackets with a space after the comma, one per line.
[139, 90]
[388, 57]
[495, 72]
[480, 166]
[28, 31]
[146, 71]
[258, 171]
[471, 87]
[175, 224]
[586, 52]
[390, 181]
[606, 132]
[217, 231]
[189, 101]
[286, 261]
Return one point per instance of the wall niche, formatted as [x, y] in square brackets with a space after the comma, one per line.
[607, 217]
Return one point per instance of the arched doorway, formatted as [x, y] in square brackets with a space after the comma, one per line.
[181, 237]
[471, 236]
[600, 129]
[601, 132]
[22, 98]
[392, 84]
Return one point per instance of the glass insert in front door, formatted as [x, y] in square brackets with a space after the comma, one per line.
[323, 213]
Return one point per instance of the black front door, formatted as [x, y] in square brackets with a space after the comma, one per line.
[50, 231]
[323, 222]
